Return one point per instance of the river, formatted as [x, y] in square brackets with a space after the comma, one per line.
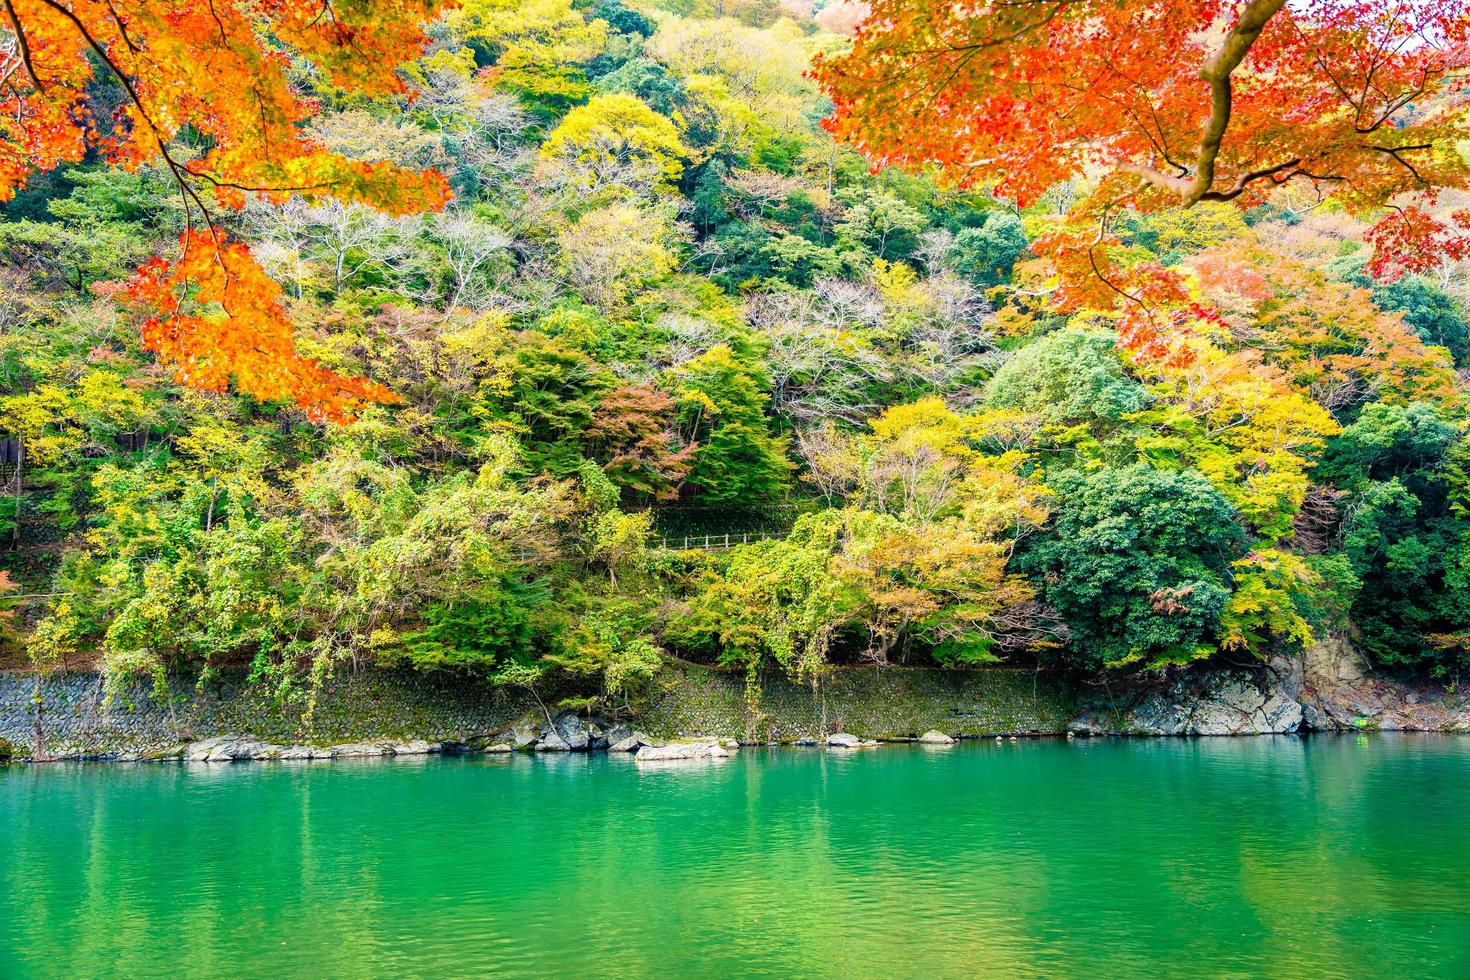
[1342, 856]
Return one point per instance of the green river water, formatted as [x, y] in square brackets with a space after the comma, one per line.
[1321, 857]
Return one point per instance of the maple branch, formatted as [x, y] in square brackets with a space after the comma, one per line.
[257, 189]
[943, 48]
[24, 47]
[1217, 71]
[122, 29]
[1246, 179]
[224, 38]
[1102, 233]
[1160, 144]
[178, 170]
[133, 96]
[325, 11]
[1019, 32]
[1394, 152]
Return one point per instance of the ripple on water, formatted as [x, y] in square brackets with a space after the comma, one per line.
[1333, 856]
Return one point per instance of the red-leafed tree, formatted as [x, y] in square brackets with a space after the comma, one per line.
[1170, 103]
[205, 95]
[633, 432]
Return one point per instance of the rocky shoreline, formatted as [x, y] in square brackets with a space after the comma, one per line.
[570, 732]
[1328, 688]
[701, 713]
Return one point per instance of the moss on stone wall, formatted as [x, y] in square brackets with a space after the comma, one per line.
[368, 706]
[887, 702]
[385, 705]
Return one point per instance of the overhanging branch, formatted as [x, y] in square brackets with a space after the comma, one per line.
[1217, 71]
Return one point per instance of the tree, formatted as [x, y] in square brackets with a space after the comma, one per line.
[632, 432]
[765, 66]
[534, 46]
[611, 251]
[913, 462]
[889, 581]
[657, 279]
[721, 404]
[472, 633]
[943, 585]
[619, 541]
[1432, 312]
[1174, 102]
[1402, 474]
[880, 222]
[470, 251]
[1413, 560]
[1277, 596]
[616, 143]
[460, 556]
[1066, 377]
[775, 600]
[351, 237]
[821, 368]
[1138, 563]
[478, 126]
[202, 75]
[986, 255]
[1390, 441]
[544, 389]
[1177, 232]
[1331, 340]
[109, 223]
[649, 81]
[1238, 421]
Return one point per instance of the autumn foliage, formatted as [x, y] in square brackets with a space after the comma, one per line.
[205, 96]
[216, 315]
[677, 373]
[1170, 104]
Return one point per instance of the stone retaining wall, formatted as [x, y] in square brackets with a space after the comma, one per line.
[1326, 688]
[384, 706]
[887, 702]
[369, 706]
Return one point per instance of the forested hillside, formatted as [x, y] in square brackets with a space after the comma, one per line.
[674, 374]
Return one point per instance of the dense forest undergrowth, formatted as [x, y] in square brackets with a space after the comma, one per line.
[664, 304]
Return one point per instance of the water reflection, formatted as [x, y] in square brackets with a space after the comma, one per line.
[1323, 857]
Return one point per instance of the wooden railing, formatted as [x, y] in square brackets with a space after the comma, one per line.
[715, 542]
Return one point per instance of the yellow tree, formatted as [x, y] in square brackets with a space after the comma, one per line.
[615, 143]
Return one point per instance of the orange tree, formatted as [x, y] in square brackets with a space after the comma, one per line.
[205, 95]
[1170, 103]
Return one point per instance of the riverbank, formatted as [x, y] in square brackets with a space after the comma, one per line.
[1328, 687]
[387, 712]
[390, 713]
